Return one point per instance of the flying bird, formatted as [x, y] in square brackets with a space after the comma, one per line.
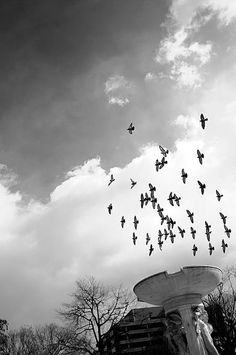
[163, 151]
[200, 156]
[136, 222]
[147, 198]
[211, 248]
[171, 198]
[208, 226]
[160, 234]
[165, 233]
[122, 221]
[172, 223]
[110, 208]
[157, 164]
[202, 186]
[193, 232]
[151, 188]
[133, 183]
[151, 249]
[134, 238]
[172, 236]
[177, 199]
[218, 195]
[111, 180]
[224, 245]
[162, 163]
[147, 239]
[223, 217]
[181, 231]
[203, 120]
[142, 200]
[131, 128]
[184, 176]
[163, 218]
[194, 249]
[227, 231]
[154, 201]
[159, 209]
[208, 231]
[190, 215]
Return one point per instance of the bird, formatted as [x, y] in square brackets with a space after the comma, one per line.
[110, 208]
[184, 176]
[160, 234]
[193, 232]
[208, 234]
[159, 209]
[211, 248]
[171, 198]
[162, 163]
[157, 164]
[160, 243]
[133, 183]
[194, 249]
[163, 151]
[136, 222]
[111, 180]
[154, 201]
[202, 186]
[172, 223]
[147, 239]
[165, 233]
[223, 217]
[134, 238]
[227, 231]
[181, 231]
[151, 249]
[151, 188]
[177, 199]
[200, 156]
[172, 236]
[218, 195]
[163, 218]
[208, 226]
[131, 128]
[190, 215]
[224, 245]
[203, 120]
[142, 200]
[122, 221]
[146, 199]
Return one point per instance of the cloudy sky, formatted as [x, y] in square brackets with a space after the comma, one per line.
[74, 75]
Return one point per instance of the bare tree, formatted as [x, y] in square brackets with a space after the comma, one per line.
[94, 310]
[221, 309]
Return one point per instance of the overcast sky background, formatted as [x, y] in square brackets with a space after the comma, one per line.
[74, 74]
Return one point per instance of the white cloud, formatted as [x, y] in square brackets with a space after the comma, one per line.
[150, 77]
[118, 90]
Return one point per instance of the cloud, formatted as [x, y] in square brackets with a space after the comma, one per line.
[184, 60]
[118, 90]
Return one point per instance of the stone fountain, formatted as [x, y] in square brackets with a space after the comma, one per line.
[180, 294]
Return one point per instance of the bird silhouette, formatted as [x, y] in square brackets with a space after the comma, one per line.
[181, 231]
[171, 198]
[218, 195]
[159, 209]
[142, 200]
[208, 231]
[151, 249]
[227, 231]
[200, 156]
[172, 223]
[157, 164]
[184, 176]
[122, 221]
[160, 243]
[211, 248]
[131, 128]
[160, 234]
[172, 236]
[224, 245]
[163, 151]
[110, 208]
[223, 217]
[154, 201]
[147, 239]
[136, 222]
[163, 218]
[165, 233]
[112, 179]
[133, 183]
[208, 226]
[151, 188]
[202, 186]
[203, 120]
[194, 249]
[193, 232]
[177, 199]
[162, 163]
[190, 215]
[134, 238]
[146, 199]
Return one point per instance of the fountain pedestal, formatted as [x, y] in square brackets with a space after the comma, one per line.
[180, 293]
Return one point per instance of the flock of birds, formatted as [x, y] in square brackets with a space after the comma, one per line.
[169, 227]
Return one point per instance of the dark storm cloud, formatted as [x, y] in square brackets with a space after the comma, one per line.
[44, 46]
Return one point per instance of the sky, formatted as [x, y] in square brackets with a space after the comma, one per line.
[74, 75]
